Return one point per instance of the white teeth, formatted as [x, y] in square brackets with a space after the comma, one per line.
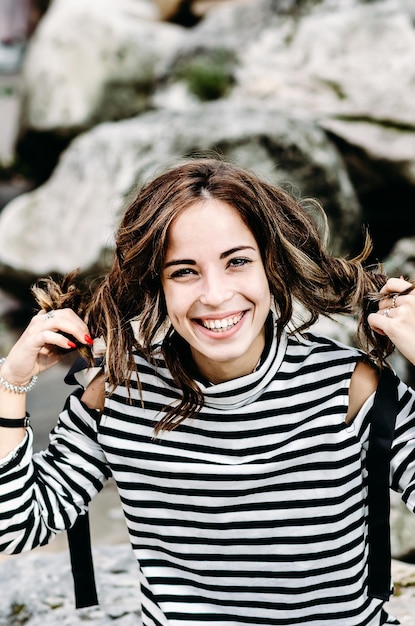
[224, 324]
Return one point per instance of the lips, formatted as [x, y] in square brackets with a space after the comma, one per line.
[221, 325]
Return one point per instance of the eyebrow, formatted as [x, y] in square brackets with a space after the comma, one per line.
[223, 255]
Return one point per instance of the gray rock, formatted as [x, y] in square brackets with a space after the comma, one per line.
[37, 590]
[325, 59]
[9, 121]
[402, 603]
[401, 259]
[69, 221]
[93, 61]
[402, 529]
[390, 149]
[346, 65]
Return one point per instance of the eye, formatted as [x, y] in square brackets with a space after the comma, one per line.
[184, 272]
[239, 262]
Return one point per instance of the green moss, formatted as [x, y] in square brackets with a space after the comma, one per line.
[6, 91]
[209, 75]
[336, 88]
[19, 614]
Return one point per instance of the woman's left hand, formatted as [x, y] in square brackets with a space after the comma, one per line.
[396, 316]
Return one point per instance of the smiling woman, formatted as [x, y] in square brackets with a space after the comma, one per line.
[216, 290]
[237, 436]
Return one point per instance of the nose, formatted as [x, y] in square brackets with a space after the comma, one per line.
[215, 289]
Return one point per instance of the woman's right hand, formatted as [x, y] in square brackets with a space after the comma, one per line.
[42, 344]
[396, 316]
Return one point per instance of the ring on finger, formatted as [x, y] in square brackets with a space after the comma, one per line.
[50, 314]
[386, 312]
[394, 299]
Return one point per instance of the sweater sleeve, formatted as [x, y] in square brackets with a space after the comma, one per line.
[43, 494]
[403, 447]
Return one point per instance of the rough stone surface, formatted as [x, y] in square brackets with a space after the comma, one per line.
[37, 590]
[401, 259]
[402, 603]
[402, 529]
[92, 61]
[342, 59]
[336, 60]
[346, 67]
[69, 221]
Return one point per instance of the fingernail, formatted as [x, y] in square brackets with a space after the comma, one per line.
[89, 340]
[72, 345]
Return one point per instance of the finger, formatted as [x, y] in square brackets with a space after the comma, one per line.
[61, 330]
[396, 285]
[57, 340]
[394, 298]
[382, 325]
[391, 302]
[68, 324]
[402, 303]
[399, 330]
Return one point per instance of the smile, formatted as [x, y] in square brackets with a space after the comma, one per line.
[222, 325]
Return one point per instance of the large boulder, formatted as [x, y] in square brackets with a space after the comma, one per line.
[37, 590]
[343, 66]
[341, 59]
[93, 61]
[401, 260]
[351, 60]
[402, 529]
[347, 65]
[69, 221]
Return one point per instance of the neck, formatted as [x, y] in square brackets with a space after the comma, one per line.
[220, 374]
[217, 372]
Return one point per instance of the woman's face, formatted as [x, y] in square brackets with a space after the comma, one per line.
[216, 290]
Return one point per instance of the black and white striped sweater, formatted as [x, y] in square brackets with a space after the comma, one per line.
[252, 513]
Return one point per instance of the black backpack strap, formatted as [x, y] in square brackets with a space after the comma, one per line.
[79, 540]
[383, 416]
[79, 535]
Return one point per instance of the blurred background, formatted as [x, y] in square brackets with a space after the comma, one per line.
[98, 96]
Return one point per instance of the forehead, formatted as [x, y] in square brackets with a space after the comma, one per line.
[207, 221]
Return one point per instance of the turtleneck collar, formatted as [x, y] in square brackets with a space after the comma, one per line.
[238, 392]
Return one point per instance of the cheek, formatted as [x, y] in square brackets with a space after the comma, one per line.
[262, 289]
[265, 300]
[175, 303]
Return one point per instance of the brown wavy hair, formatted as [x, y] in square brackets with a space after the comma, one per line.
[297, 263]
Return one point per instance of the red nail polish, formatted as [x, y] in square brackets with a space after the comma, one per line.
[89, 340]
[72, 345]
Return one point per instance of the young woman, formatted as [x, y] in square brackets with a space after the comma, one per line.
[237, 437]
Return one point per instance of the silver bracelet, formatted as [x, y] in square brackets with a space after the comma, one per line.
[17, 388]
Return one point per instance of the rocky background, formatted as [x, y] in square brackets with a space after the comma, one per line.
[98, 96]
